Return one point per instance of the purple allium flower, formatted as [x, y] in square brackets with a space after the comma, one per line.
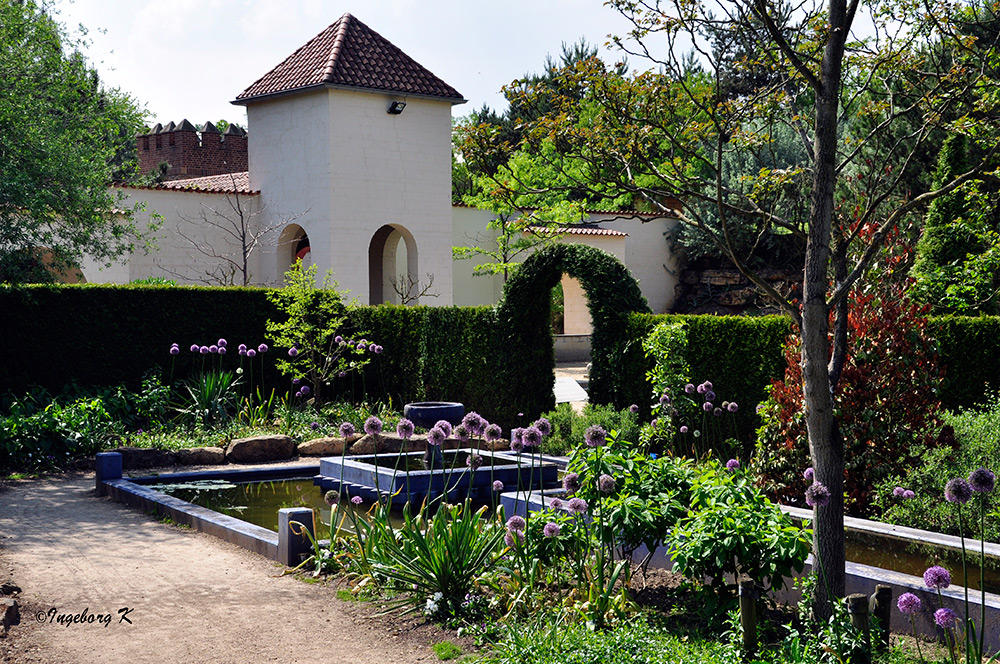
[551, 529]
[292, 352]
[717, 412]
[606, 483]
[655, 422]
[195, 348]
[242, 347]
[689, 388]
[732, 407]
[221, 343]
[663, 401]
[544, 426]
[346, 430]
[298, 395]
[243, 352]
[945, 618]
[404, 429]
[474, 461]
[809, 474]
[213, 349]
[296, 381]
[462, 433]
[362, 345]
[222, 350]
[709, 395]
[702, 389]
[909, 604]
[341, 374]
[684, 428]
[517, 446]
[817, 495]
[733, 464]
[175, 349]
[475, 423]
[512, 538]
[517, 436]
[338, 340]
[493, 433]
[497, 486]
[531, 437]
[314, 425]
[372, 347]
[957, 491]
[707, 406]
[516, 523]
[898, 491]
[909, 495]
[577, 505]
[331, 497]
[357, 500]
[304, 390]
[595, 435]
[982, 480]
[373, 425]
[251, 352]
[571, 482]
[204, 350]
[634, 409]
[436, 436]
[937, 577]
[378, 350]
[445, 426]
[262, 348]
[708, 385]
[556, 504]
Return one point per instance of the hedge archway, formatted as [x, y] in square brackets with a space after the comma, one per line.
[526, 358]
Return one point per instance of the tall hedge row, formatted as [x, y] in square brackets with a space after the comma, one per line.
[108, 335]
[970, 352]
[739, 354]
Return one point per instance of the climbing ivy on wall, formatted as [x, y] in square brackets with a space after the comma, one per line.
[525, 352]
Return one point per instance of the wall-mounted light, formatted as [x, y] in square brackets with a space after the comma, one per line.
[396, 107]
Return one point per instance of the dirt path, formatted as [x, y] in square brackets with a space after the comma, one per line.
[190, 597]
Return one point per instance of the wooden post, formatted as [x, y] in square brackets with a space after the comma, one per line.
[748, 616]
[857, 608]
[880, 604]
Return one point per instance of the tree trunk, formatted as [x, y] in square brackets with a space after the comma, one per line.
[825, 444]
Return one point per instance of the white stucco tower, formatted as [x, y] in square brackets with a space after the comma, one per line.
[350, 147]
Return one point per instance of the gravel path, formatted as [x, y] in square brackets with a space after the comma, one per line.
[190, 597]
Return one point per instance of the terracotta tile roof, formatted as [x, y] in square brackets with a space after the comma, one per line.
[349, 54]
[209, 184]
[624, 214]
[579, 230]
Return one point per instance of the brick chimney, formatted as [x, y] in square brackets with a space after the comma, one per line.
[192, 152]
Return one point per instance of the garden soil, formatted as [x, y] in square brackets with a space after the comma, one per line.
[168, 594]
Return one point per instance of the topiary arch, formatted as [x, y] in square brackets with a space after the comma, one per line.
[526, 357]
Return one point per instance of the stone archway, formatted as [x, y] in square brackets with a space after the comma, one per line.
[525, 354]
[392, 264]
[293, 245]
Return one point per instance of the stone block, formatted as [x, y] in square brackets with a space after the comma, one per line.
[201, 456]
[260, 448]
[145, 457]
[322, 446]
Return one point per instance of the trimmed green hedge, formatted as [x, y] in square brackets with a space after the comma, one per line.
[739, 354]
[110, 335]
[969, 349]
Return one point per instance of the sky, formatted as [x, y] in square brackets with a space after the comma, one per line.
[190, 58]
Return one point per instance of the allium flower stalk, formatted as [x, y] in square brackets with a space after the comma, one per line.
[817, 495]
[404, 429]
[982, 480]
[436, 436]
[595, 435]
[373, 425]
[957, 491]
[571, 482]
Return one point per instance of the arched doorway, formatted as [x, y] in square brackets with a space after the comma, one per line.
[293, 245]
[392, 266]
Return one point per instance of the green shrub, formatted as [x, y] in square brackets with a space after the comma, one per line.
[39, 433]
[569, 427]
[969, 351]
